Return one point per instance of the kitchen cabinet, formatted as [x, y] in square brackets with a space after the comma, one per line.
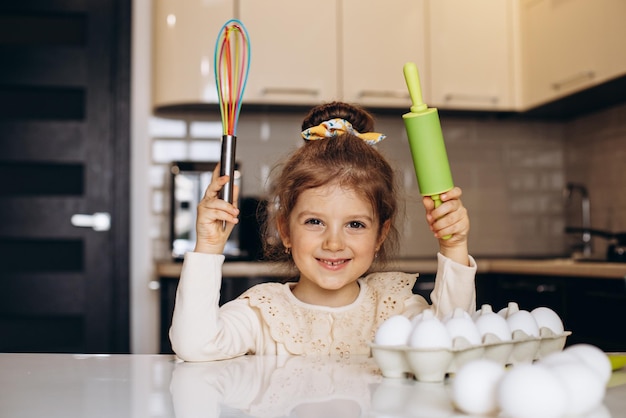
[610, 50]
[357, 51]
[570, 45]
[308, 53]
[484, 55]
[184, 43]
[474, 55]
[590, 307]
[376, 43]
[327, 50]
[597, 310]
[528, 291]
[294, 52]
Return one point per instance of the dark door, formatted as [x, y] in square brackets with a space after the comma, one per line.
[64, 148]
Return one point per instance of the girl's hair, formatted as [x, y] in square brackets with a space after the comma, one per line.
[344, 160]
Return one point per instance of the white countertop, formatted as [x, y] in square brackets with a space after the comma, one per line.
[70, 386]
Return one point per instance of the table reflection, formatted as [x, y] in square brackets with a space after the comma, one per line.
[297, 386]
[274, 386]
[307, 386]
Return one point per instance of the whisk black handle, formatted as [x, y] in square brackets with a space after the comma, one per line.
[227, 166]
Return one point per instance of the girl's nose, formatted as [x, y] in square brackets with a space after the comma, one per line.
[333, 241]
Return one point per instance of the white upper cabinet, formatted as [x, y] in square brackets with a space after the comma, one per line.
[294, 51]
[473, 54]
[184, 42]
[352, 50]
[485, 55]
[378, 39]
[570, 45]
[612, 50]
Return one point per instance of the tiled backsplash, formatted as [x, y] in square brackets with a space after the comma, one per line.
[512, 173]
[595, 155]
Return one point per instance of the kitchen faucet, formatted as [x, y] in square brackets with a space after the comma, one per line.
[569, 189]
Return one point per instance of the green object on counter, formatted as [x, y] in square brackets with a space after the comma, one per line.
[618, 360]
[428, 149]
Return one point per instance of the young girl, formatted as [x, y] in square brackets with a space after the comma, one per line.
[331, 215]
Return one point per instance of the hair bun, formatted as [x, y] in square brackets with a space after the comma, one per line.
[359, 118]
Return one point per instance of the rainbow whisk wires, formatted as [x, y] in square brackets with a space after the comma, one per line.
[232, 63]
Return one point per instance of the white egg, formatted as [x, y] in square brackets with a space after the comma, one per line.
[558, 358]
[417, 318]
[584, 388]
[457, 313]
[547, 318]
[531, 391]
[600, 412]
[460, 324]
[489, 322]
[593, 357]
[394, 330]
[429, 333]
[475, 387]
[483, 307]
[523, 321]
[510, 308]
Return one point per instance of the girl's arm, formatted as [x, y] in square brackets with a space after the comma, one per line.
[201, 331]
[450, 218]
[456, 270]
[455, 286]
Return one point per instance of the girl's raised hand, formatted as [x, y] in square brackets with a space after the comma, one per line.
[213, 214]
[450, 218]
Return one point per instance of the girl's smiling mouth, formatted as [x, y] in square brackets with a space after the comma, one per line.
[333, 263]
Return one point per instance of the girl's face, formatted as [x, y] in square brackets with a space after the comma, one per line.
[333, 236]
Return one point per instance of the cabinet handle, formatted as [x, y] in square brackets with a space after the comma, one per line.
[471, 98]
[578, 78]
[389, 94]
[546, 288]
[296, 91]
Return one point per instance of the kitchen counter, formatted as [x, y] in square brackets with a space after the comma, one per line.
[74, 385]
[555, 267]
[551, 267]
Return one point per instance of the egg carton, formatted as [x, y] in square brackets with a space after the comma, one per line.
[432, 365]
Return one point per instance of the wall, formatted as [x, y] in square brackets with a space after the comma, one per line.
[595, 155]
[511, 173]
[144, 308]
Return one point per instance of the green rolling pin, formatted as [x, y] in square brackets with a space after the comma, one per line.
[426, 142]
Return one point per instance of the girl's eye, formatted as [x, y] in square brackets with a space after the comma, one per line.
[356, 224]
[313, 221]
